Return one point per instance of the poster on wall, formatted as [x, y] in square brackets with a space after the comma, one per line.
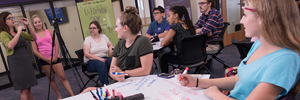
[170, 3]
[101, 11]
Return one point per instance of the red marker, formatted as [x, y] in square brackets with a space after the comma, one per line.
[113, 93]
[184, 72]
[107, 92]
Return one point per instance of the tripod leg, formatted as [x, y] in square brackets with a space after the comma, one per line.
[74, 67]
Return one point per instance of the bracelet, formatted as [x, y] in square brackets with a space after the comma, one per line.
[197, 83]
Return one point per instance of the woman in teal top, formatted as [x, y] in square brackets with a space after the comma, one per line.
[271, 68]
[18, 59]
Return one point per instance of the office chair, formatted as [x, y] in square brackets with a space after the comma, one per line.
[220, 42]
[90, 75]
[193, 52]
[243, 47]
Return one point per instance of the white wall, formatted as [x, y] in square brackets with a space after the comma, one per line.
[117, 9]
[233, 14]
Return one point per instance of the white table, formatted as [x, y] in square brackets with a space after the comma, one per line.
[153, 88]
[156, 46]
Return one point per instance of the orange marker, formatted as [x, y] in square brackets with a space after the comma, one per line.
[184, 72]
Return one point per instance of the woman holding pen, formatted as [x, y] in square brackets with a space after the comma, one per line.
[18, 59]
[133, 54]
[272, 66]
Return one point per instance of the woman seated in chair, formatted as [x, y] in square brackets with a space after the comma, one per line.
[133, 54]
[95, 49]
[181, 27]
[271, 68]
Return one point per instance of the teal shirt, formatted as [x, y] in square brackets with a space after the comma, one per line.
[279, 68]
[5, 38]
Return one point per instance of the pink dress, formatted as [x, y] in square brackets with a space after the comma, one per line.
[45, 45]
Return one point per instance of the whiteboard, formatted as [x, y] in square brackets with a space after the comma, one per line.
[153, 88]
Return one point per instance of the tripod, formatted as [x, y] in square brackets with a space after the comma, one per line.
[64, 51]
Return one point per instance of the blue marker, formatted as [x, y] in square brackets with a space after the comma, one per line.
[101, 91]
[97, 92]
[116, 73]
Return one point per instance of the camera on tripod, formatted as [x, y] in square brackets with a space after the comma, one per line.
[55, 20]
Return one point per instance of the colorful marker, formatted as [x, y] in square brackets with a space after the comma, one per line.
[94, 96]
[184, 72]
[97, 92]
[116, 73]
[113, 93]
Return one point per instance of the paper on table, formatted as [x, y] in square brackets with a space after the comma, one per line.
[154, 88]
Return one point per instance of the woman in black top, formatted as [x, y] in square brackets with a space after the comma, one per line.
[181, 27]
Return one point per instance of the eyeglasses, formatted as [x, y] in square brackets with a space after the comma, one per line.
[93, 28]
[10, 18]
[201, 3]
[156, 13]
[246, 8]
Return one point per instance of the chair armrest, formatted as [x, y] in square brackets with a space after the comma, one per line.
[84, 63]
[215, 40]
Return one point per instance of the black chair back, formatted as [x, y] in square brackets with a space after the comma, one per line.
[226, 24]
[243, 47]
[193, 49]
[80, 56]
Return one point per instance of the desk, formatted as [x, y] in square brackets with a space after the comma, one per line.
[153, 88]
[156, 46]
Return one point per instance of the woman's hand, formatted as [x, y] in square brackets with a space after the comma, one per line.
[88, 89]
[48, 60]
[187, 80]
[120, 78]
[20, 29]
[54, 59]
[25, 21]
[212, 91]
[102, 59]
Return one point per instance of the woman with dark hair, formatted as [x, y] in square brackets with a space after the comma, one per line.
[95, 49]
[18, 59]
[133, 54]
[181, 27]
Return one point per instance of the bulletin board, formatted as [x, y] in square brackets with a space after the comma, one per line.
[153, 88]
[101, 11]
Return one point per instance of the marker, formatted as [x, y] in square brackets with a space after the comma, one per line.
[116, 73]
[94, 95]
[97, 92]
[107, 92]
[101, 92]
[113, 93]
[106, 95]
[184, 72]
[120, 96]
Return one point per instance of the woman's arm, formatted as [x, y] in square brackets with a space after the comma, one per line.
[86, 50]
[146, 62]
[161, 35]
[114, 68]
[56, 47]
[37, 53]
[265, 91]
[26, 22]
[168, 38]
[110, 51]
[226, 83]
[13, 42]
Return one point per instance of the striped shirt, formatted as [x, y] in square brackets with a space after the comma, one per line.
[213, 22]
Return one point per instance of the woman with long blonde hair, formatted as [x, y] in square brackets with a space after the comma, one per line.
[272, 65]
[42, 48]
